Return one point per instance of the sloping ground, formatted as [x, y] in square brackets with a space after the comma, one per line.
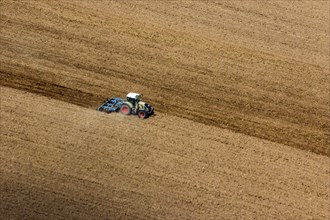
[256, 67]
[61, 161]
[239, 88]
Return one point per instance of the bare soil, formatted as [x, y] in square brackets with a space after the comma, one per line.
[241, 90]
[61, 161]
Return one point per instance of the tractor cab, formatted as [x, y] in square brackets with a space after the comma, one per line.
[134, 105]
[133, 97]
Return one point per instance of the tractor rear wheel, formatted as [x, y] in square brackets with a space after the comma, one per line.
[125, 109]
[142, 114]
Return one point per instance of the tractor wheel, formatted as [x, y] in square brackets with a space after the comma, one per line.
[142, 114]
[125, 109]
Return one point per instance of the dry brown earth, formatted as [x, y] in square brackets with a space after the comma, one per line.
[256, 67]
[59, 160]
[241, 90]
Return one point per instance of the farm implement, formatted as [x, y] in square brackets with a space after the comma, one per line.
[111, 105]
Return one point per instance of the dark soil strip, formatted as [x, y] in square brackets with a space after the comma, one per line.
[317, 143]
[45, 88]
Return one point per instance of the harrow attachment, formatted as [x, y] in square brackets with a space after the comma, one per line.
[111, 105]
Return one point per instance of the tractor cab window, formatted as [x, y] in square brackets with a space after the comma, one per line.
[131, 100]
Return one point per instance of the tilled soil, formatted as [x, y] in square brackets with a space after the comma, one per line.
[255, 67]
[241, 91]
[61, 161]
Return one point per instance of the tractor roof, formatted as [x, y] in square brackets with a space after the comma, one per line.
[133, 95]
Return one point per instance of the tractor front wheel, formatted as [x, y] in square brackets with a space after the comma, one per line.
[125, 109]
[142, 114]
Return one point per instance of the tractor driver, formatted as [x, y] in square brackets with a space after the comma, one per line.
[133, 101]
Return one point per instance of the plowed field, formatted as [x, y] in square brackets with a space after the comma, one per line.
[241, 91]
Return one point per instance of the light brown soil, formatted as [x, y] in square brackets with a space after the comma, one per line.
[241, 90]
[59, 160]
